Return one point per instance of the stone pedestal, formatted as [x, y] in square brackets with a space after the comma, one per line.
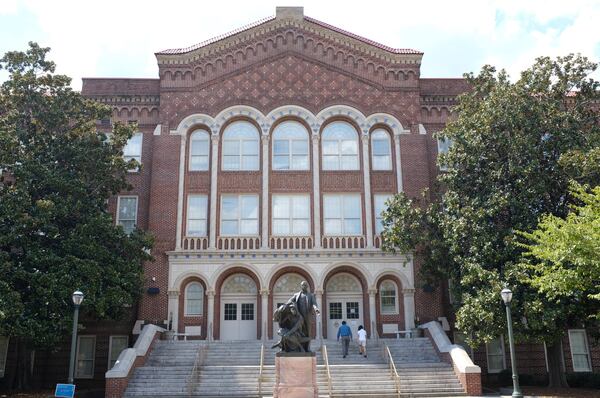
[295, 375]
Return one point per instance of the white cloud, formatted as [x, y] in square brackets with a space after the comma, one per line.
[119, 38]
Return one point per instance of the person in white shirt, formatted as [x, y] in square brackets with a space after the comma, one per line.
[362, 340]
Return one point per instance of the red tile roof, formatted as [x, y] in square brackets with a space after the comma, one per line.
[174, 51]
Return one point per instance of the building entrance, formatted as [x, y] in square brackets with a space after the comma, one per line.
[238, 308]
[344, 303]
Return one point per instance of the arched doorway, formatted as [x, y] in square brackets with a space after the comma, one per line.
[344, 303]
[285, 286]
[238, 308]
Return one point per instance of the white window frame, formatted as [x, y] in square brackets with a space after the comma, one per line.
[135, 220]
[188, 219]
[291, 218]
[388, 154]
[77, 375]
[186, 311]
[487, 356]
[240, 153]
[339, 143]
[4, 340]
[136, 156]
[587, 349]
[378, 217]
[199, 135]
[290, 142]
[441, 150]
[110, 348]
[395, 311]
[342, 218]
[239, 216]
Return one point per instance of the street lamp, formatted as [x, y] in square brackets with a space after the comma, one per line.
[507, 298]
[77, 299]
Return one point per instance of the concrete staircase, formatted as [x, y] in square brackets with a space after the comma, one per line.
[231, 369]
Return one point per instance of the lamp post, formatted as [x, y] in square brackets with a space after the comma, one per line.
[507, 298]
[77, 299]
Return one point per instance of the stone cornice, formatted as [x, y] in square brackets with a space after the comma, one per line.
[127, 100]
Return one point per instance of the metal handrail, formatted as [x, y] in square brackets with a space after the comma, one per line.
[393, 371]
[326, 360]
[260, 371]
[194, 376]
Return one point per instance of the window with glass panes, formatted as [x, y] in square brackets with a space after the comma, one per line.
[444, 145]
[239, 215]
[291, 214]
[199, 149]
[381, 150]
[340, 147]
[342, 214]
[115, 346]
[247, 312]
[335, 310]
[86, 348]
[127, 213]
[290, 147]
[196, 215]
[380, 207]
[194, 299]
[230, 312]
[240, 147]
[387, 296]
[495, 355]
[133, 148]
[579, 351]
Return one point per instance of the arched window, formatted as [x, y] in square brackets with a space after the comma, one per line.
[381, 150]
[194, 299]
[388, 297]
[340, 147]
[199, 146]
[290, 147]
[240, 147]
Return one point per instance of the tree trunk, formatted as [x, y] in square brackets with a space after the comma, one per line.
[556, 376]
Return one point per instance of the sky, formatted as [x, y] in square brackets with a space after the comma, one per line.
[111, 38]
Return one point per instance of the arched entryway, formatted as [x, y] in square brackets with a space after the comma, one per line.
[344, 303]
[238, 308]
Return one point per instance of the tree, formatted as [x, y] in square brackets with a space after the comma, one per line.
[504, 173]
[55, 233]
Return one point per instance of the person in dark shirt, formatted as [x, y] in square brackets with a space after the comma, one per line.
[346, 334]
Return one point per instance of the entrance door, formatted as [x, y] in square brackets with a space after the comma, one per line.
[344, 309]
[238, 320]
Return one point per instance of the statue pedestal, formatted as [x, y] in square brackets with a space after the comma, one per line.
[295, 375]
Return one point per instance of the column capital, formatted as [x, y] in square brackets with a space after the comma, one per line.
[264, 292]
[210, 293]
[315, 138]
[365, 138]
[265, 138]
[408, 291]
[173, 293]
[318, 291]
[372, 291]
[214, 138]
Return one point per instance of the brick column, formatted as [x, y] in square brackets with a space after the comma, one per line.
[316, 189]
[214, 166]
[398, 160]
[265, 191]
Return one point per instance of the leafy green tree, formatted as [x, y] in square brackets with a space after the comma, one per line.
[504, 173]
[55, 233]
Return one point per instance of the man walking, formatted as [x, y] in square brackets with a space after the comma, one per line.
[346, 334]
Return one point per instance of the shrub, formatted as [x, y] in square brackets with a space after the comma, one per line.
[584, 380]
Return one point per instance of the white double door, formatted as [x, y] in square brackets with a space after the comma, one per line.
[344, 308]
[238, 318]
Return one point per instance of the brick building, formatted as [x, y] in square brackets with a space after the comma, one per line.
[267, 156]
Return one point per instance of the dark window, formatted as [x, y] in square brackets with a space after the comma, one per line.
[335, 310]
[230, 312]
[247, 312]
[352, 310]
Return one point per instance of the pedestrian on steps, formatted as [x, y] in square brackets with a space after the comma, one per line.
[362, 340]
[346, 334]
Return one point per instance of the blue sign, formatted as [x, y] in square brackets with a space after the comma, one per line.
[65, 390]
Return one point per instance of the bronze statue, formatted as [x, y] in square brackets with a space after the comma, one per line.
[295, 318]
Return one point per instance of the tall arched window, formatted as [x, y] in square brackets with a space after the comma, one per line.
[290, 147]
[388, 297]
[340, 147]
[194, 299]
[199, 146]
[240, 147]
[381, 150]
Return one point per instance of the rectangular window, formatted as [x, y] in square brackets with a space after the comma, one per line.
[230, 312]
[291, 215]
[133, 148]
[380, 206]
[444, 145]
[579, 351]
[342, 214]
[495, 355]
[239, 215]
[199, 151]
[127, 212]
[197, 211]
[116, 345]
[335, 310]
[352, 310]
[3, 354]
[86, 350]
[247, 312]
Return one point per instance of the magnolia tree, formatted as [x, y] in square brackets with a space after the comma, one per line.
[504, 173]
[55, 233]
